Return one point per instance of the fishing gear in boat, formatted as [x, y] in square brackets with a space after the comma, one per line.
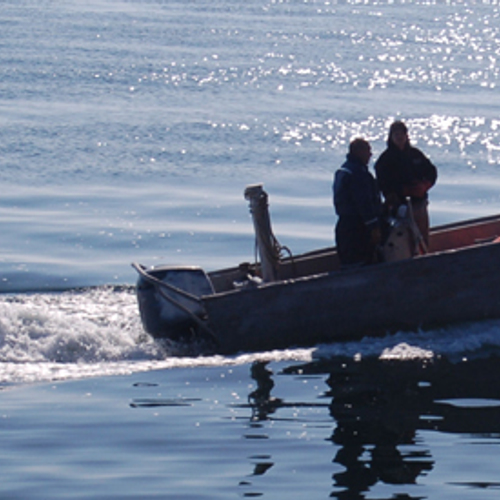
[404, 238]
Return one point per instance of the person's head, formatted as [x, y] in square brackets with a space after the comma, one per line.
[398, 135]
[360, 149]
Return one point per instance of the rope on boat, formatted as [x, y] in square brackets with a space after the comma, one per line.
[160, 285]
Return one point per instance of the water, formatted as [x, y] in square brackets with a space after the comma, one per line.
[128, 132]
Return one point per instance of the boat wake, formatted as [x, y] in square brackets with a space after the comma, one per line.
[96, 332]
[455, 342]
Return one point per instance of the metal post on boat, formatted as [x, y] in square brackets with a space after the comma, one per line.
[265, 240]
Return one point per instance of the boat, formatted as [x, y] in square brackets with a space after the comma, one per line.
[284, 301]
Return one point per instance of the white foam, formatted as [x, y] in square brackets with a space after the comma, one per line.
[97, 332]
[90, 333]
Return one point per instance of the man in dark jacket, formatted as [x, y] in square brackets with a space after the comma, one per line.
[357, 203]
[404, 171]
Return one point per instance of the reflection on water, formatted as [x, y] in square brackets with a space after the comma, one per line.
[260, 399]
[376, 411]
[378, 408]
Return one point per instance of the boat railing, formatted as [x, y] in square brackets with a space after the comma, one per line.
[461, 235]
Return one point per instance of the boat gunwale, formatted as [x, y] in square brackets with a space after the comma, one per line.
[347, 274]
[364, 269]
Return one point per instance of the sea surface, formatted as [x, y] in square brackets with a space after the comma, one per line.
[129, 130]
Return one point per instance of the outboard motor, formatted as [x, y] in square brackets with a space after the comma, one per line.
[169, 300]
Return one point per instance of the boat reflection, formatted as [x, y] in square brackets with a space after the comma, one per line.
[379, 407]
[377, 413]
[261, 401]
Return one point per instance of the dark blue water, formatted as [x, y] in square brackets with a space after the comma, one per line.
[128, 132]
[333, 428]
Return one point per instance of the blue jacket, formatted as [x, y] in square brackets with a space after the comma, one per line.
[355, 193]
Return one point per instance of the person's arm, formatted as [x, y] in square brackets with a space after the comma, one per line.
[388, 182]
[425, 176]
[367, 204]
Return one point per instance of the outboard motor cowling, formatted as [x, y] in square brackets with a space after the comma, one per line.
[169, 300]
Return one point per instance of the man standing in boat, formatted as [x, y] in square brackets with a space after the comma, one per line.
[404, 171]
[357, 203]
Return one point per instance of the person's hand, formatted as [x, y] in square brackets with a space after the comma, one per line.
[418, 189]
[392, 200]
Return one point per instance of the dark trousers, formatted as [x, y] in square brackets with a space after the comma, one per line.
[353, 242]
